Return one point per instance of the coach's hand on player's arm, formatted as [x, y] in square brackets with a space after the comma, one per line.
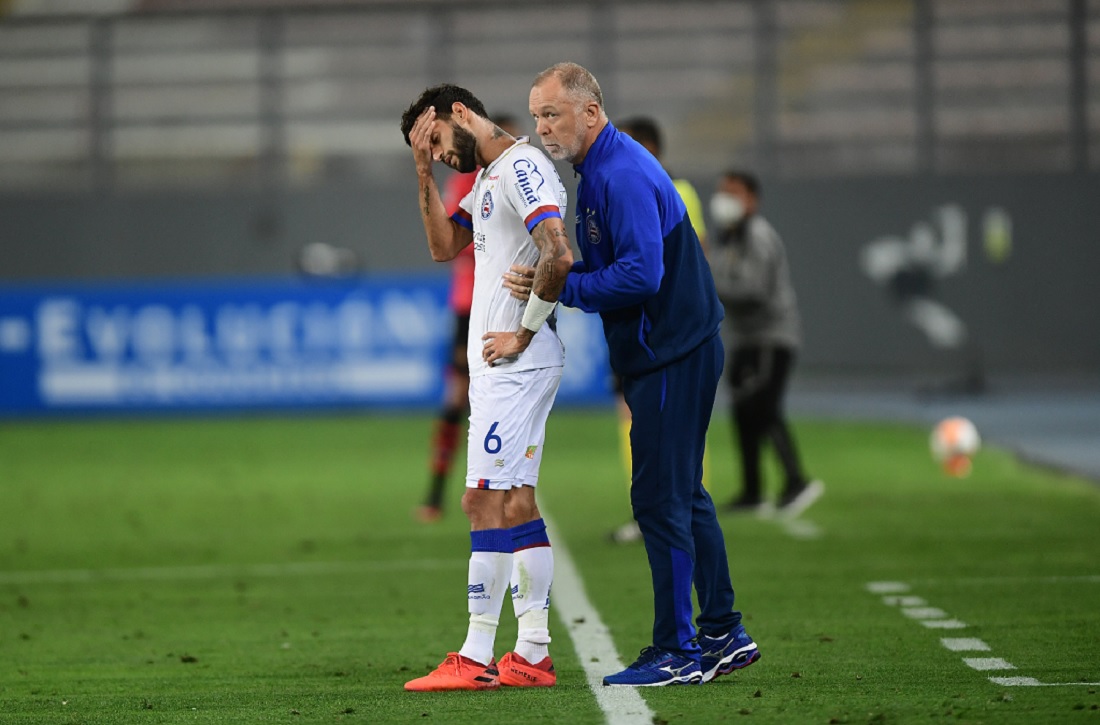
[500, 345]
[518, 280]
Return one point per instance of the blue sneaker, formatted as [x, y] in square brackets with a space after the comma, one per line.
[656, 668]
[723, 655]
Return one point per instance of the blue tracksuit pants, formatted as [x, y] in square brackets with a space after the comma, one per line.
[671, 410]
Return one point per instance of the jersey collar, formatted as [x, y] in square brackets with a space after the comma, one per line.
[598, 150]
[522, 140]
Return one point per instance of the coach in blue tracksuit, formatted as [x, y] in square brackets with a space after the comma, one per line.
[644, 272]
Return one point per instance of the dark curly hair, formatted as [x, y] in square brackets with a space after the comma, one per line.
[442, 97]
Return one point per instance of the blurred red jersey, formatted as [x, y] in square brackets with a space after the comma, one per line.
[462, 268]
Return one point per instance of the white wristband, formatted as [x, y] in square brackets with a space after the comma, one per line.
[536, 313]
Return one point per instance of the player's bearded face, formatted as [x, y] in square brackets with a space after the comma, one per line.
[464, 155]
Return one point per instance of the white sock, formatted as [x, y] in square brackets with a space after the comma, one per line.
[534, 635]
[488, 583]
[532, 574]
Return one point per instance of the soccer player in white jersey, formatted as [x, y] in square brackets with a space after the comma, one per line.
[512, 215]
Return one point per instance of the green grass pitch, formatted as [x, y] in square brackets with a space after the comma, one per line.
[267, 570]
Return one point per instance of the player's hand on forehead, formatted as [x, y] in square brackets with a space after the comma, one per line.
[424, 125]
[420, 136]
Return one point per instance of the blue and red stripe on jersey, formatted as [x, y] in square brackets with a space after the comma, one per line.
[483, 483]
[463, 218]
[540, 214]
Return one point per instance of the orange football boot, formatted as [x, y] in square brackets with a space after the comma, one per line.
[518, 672]
[457, 673]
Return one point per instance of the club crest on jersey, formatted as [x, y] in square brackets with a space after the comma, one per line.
[528, 180]
[591, 227]
[487, 205]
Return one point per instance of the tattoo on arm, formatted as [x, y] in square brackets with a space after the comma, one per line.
[427, 208]
[553, 244]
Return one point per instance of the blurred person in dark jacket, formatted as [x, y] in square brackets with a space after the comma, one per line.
[753, 282]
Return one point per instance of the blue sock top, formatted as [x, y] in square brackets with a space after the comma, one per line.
[499, 540]
[529, 535]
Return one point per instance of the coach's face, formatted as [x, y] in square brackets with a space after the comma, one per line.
[561, 122]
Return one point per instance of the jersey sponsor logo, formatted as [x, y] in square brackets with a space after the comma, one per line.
[475, 588]
[479, 242]
[592, 228]
[528, 180]
[499, 463]
[487, 205]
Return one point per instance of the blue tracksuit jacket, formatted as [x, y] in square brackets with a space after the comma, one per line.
[632, 227]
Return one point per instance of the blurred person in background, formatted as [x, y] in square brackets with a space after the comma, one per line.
[513, 213]
[753, 281]
[645, 131]
[644, 272]
[456, 383]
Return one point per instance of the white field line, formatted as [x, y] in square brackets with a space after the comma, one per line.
[894, 597]
[964, 644]
[988, 663]
[1032, 682]
[591, 640]
[986, 580]
[943, 624]
[893, 600]
[924, 613]
[887, 587]
[220, 571]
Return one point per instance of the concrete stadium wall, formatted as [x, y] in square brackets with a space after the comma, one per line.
[1038, 311]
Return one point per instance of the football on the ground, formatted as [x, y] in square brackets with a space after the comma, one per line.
[954, 442]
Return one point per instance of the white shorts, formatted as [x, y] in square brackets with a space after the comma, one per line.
[508, 414]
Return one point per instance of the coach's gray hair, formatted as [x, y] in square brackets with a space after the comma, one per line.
[575, 79]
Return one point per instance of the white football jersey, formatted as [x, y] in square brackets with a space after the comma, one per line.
[510, 197]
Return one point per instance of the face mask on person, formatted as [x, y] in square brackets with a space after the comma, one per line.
[726, 209]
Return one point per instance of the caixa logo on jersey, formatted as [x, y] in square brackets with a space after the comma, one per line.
[528, 180]
[487, 205]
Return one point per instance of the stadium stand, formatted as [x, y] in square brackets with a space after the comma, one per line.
[172, 92]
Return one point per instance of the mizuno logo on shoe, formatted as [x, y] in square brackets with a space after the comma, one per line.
[676, 671]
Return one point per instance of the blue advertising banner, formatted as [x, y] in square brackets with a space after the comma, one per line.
[187, 345]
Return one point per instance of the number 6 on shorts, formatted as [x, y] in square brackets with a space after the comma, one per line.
[492, 440]
[508, 414]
